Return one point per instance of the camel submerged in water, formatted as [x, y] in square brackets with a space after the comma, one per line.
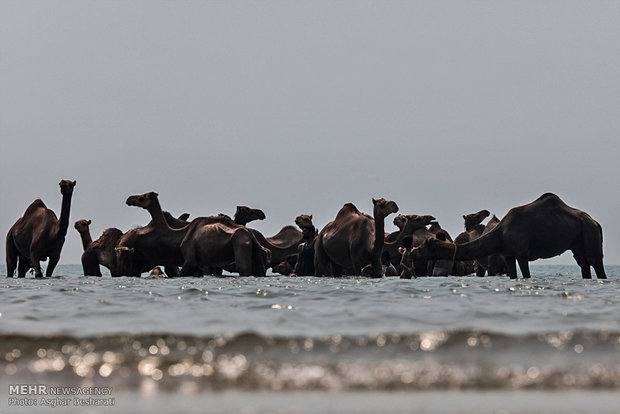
[100, 251]
[353, 241]
[544, 228]
[38, 235]
[473, 229]
[141, 249]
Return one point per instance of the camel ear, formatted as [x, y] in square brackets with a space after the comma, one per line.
[374, 201]
[89, 221]
[153, 194]
[74, 182]
[310, 216]
[465, 217]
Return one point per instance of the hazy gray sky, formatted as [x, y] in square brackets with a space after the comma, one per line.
[446, 107]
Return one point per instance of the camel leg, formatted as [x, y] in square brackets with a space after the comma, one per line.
[581, 260]
[189, 269]
[23, 267]
[90, 265]
[172, 270]
[242, 250]
[51, 265]
[525, 268]
[36, 265]
[511, 267]
[321, 262]
[11, 257]
[599, 269]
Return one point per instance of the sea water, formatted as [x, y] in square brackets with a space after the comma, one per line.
[549, 344]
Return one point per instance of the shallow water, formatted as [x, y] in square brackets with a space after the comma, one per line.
[192, 340]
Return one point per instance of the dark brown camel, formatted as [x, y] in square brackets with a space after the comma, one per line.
[418, 233]
[473, 230]
[305, 251]
[100, 251]
[244, 215]
[38, 235]
[407, 226]
[287, 266]
[213, 242]
[281, 245]
[442, 267]
[353, 241]
[141, 249]
[541, 229]
[495, 263]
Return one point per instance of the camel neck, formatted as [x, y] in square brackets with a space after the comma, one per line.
[379, 236]
[63, 223]
[86, 238]
[309, 238]
[157, 215]
[485, 245]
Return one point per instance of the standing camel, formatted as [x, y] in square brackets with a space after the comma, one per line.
[38, 235]
[353, 241]
[542, 229]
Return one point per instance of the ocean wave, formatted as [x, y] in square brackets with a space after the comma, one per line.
[439, 360]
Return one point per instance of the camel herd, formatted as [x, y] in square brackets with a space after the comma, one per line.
[353, 244]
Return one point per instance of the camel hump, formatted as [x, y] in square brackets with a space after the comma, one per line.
[548, 195]
[346, 210]
[35, 205]
[550, 198]
[286, 237]
[109, 238]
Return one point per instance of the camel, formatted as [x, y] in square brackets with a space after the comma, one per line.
[473, 230]
[353, 241]
[141, 249]
[541, 229]
[216, 241]
[287, 266]
[442, 267]
[495, 263]
[408, 225]
[38, 235]
[418, 233]
[100, 251]
[244, 215]
[281, 245]
[305, 251]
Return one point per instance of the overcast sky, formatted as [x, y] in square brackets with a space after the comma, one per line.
[446, 107]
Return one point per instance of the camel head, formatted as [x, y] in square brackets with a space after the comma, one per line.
[66, 187]
[82, 225]
[244, 215]
[283, 268]
[383, 207]
[400, 221]
[418, 222]
[474, 219]
[142, 200]
[303, 221]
